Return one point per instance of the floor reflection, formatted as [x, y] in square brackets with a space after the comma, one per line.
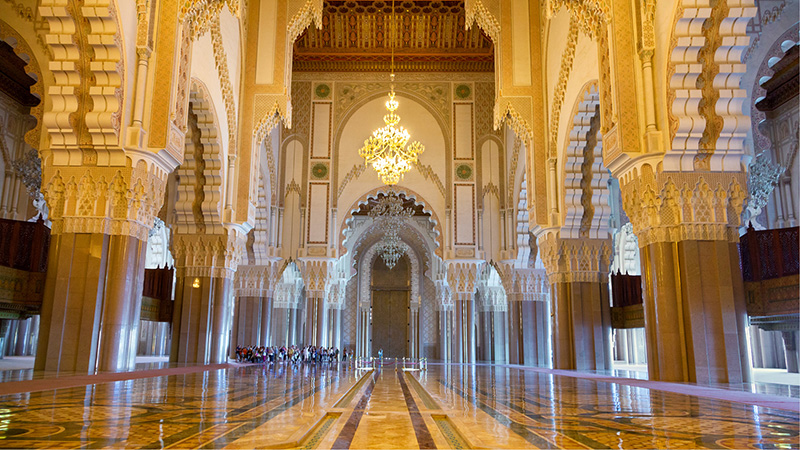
[449, 406]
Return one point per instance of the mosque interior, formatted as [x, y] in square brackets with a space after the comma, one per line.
[512, 223]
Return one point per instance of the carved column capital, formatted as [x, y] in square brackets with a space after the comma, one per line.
[215, 256]
[256, 281]
[574, 260]
[677, 206]
[112, 200]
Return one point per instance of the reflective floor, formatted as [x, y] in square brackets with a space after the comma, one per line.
[338, 407]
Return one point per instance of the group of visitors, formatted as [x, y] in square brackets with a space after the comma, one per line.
[292, 353]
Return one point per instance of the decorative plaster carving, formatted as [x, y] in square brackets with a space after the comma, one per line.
[201, 255]
[107, 200]
[563, 77]
[485, 17]
[60, 121]
[707, 119]
[675, 206]
[221, 61]
[256, 280]
[574, 260]
[429, 174]
[352, 175]
[586, 207]
[107, 69]
[436, 94]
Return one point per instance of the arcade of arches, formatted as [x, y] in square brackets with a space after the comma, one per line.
[605, 214]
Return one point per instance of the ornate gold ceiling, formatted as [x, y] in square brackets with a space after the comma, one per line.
[428, 36]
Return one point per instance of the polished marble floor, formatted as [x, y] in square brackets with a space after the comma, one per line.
[448, 406]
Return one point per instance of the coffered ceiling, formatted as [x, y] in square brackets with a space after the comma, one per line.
[356, 36]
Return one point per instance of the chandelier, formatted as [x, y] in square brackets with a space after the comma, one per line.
[387, 150]
[389, 214]
[391, 249]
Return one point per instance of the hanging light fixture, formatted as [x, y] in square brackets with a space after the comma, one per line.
[392, 248]
[387, 150]
[389, 214]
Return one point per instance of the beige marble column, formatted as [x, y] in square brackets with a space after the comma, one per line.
[201, 319]
[92, 300]
[578, 274]
[694, 312]
[695, 319]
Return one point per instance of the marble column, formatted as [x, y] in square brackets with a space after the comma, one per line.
[578, 274]
[5, 325]
[515, 342]
[266, 319]
[470, 311]
[33, 337]
[694, 312]
[280, 326]
[201, 324]
[221, 321]
[582, 326]
[21, 344]
[445, 334]
[621, 345]
[247, 325]
[321, 322]
[790, 341]
[92, 299]
[9, 344]
[459, 334]
[295, 329]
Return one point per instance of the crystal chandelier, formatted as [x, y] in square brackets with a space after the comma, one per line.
[389, 213]
[392, 248]
[386, 149]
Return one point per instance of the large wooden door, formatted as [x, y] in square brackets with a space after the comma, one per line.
[390, 308]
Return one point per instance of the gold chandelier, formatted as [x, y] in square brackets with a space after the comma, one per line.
[386, 149]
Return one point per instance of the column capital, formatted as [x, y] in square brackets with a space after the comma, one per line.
[256, 280]
[678, 206]
[218, 256]
[112, 199]
[574, 260]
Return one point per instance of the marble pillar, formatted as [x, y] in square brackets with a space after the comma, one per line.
[694, 312]
[92, 300]
[516, 346]
[445, 334]
[535, 333]
[266, 320]
[21, 344]
[33, 337]
[581, 325]
[247, 322]
[321, 322]
[280, 326]
[790, 345]
[200, 319]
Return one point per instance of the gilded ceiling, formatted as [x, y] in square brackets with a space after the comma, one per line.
[356, 36]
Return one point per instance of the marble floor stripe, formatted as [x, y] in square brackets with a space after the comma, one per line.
[424, 438]
[536, 440]
[345, 437]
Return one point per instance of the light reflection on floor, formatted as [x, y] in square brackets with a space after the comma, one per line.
[445, 407]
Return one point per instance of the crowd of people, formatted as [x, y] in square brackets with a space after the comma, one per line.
[292, 353]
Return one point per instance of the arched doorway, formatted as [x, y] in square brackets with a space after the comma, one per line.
[391, 308]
